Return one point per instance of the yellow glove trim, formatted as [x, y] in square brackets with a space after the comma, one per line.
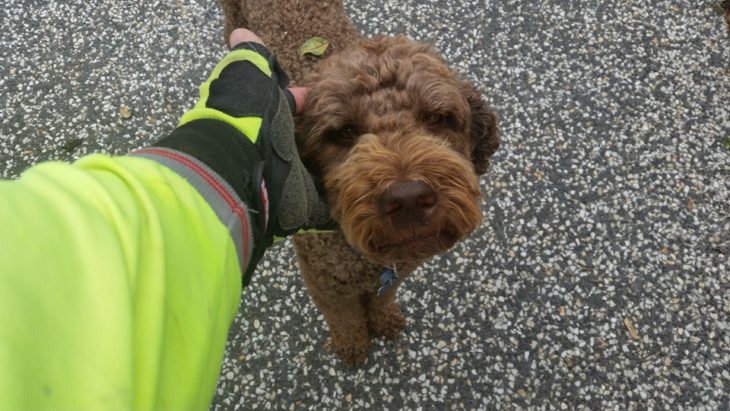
[249, 126]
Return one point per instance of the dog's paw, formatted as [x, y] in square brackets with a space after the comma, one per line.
[388, 323]
[351, 351]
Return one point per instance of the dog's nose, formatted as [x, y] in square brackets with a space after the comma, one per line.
[408, 202]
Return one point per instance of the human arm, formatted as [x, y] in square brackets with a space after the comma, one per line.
[121, 275]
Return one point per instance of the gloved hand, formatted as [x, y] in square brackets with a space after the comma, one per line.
[261, 94]
[247, 94]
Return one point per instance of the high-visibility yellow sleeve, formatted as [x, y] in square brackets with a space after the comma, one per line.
[118, 283]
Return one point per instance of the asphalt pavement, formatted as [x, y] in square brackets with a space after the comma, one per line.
[601, 276]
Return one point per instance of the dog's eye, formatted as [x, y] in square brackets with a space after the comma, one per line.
[345, 135]
[441, 120]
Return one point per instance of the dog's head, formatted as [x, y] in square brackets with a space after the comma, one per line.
[399, 141]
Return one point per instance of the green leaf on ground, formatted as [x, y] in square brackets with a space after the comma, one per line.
[315, 46]
[726, 143]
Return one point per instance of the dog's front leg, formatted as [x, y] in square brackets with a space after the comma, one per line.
[348, 326]
[384, 316]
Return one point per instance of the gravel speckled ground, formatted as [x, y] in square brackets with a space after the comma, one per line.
[601, 278]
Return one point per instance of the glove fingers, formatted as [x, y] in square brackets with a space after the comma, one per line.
[292, 210]
[282, 130]
[301, 205]
[318, 215]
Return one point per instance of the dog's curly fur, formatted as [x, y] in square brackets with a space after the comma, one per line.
[381, 113]
[286, 24]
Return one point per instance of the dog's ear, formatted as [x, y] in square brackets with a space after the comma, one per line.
[484, 128]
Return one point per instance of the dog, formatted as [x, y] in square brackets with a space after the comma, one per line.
[397, 140]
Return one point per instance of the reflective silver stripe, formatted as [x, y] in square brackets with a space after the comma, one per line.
[221, 197]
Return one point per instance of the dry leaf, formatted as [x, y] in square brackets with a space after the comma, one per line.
[632, 330]
[562, 311]
[315, 46]
[125, 112]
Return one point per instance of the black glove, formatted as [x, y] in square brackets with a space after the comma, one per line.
[242, 128]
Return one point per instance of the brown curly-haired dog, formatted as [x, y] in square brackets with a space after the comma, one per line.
[398, 140]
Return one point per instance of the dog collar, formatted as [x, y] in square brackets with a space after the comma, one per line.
[388, 277]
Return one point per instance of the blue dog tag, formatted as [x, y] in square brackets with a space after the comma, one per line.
[388, 277]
